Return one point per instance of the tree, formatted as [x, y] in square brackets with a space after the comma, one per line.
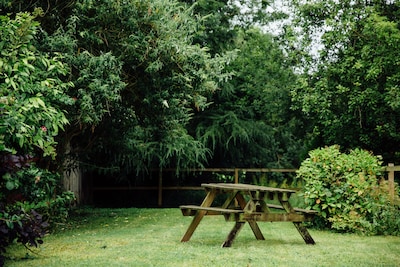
[250, 123]
[215, 31]
[352, 96]
[221, 20]
[147, 44]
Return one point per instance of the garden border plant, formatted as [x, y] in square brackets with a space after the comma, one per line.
[32, 94]
[349, 191]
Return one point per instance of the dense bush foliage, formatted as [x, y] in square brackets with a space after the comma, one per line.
[30, 199]
[31, 90]
[32, 97]
[26, 228]
[38, 189]
[348, 192]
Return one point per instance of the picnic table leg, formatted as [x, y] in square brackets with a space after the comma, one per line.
[300, 228]
[232, 235]
[253, 224]
[199, 215]
[304, 233]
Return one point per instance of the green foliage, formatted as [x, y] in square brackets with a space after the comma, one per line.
[40, 190]
[250, 122]
[31, 90]
[386, 219]
[32, 98]
[28, 228]
[99, 85]
[30, 199]
[166, 80]
[350, 87]
[96, 76]
[344, 188]
[214, 31]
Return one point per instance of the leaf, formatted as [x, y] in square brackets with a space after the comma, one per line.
[10, 185]
[13, 84]
[10, 224]
[40, 143]
[51, 67]
[41, 102]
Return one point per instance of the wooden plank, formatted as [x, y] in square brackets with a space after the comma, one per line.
[202, 170]
[267, 170]
[274, 206]
[236, 176]
[246, 187]
[231, 170]
[139, 188]
[190, 210]
[304, 233]
[392, 167]
[305, 211]
[253, 225]
[208, 200]
[275, 217]
[391, 182]
[232, 235]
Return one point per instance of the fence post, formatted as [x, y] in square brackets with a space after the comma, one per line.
[236, 175]
[391, 181]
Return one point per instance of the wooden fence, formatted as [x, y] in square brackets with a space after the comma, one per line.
[390, 169]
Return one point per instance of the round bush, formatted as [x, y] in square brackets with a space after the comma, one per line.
[345, 189]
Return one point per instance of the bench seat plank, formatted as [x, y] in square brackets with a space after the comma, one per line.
[190, 210]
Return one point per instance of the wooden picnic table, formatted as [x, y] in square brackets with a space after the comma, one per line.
[245, 203]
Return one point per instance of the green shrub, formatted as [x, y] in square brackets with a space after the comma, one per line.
[40, 190]
[27, 228]
[345, 189]
[33, 95]
[30, 199]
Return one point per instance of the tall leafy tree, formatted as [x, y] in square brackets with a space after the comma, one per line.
[220, 20]
[138, 79]
[167, 79]
[352, 92]
[214, 31]
[250, 123]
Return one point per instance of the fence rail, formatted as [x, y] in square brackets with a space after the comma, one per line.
[390, 169]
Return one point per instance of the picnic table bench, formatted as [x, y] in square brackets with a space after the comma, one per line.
[246, 203]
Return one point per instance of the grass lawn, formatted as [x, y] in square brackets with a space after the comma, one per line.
[151, 237]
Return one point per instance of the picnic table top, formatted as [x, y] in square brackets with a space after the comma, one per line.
[246, 187]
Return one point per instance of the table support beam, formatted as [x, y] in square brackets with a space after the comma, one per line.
[304, 233]
[253, 225]
[232, 235]
[208, 200]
